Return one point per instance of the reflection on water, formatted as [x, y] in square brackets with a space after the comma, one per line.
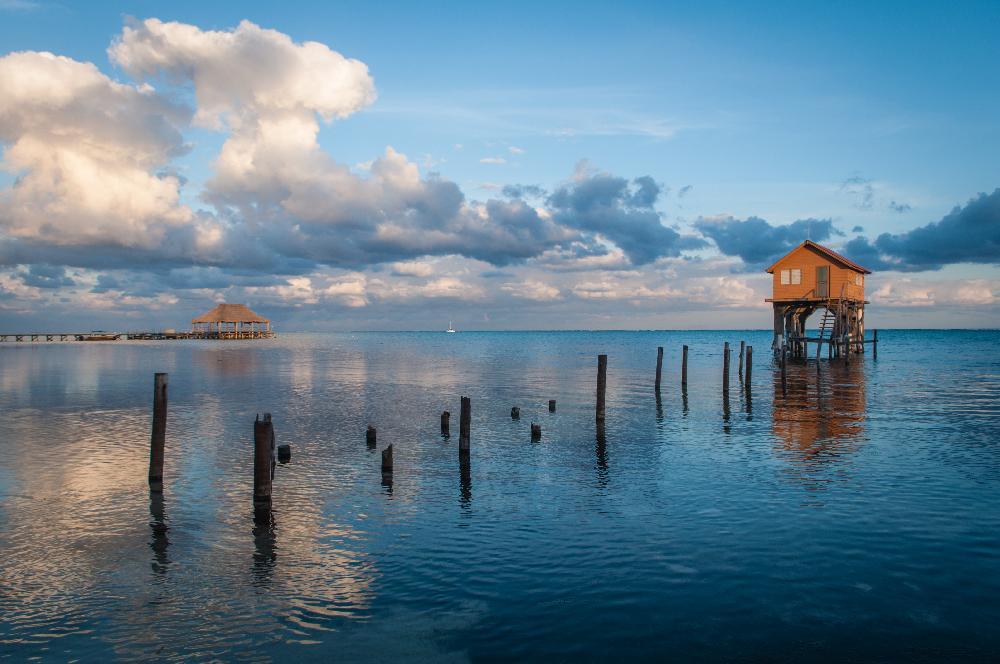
[709, 521]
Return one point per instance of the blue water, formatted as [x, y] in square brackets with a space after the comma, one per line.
[856, 518]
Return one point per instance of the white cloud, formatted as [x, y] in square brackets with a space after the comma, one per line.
[515, 150]
[493, 160]
[532, 289]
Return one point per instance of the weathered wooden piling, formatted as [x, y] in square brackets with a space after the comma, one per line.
[387, 460]
[659, 366]
[602, 384]
[445, 423]
[743, 348]
[784, 370]
[465, 424]
[263, 461]
[536, 431]
[158, 438]
[684, 367]
[284, 453]
[515, 413]
[875, 344]
[725, 367]
[370, 436]
[749, 367]
[552, 405]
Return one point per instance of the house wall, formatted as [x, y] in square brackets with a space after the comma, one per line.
[807, 260]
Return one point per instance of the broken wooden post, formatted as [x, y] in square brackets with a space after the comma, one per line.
[552, 405]
[875, 345]
[445, 423]
[387, 461]
[284, 453]
[263, 461]
[515, 413]
[159, 435]
[725, 366]
[659, 366]
[743, 348]
[602, 383]
[684, 367]
[370, 436]
[536, 431]
[465, 424]
[749, 367]
[784, 370]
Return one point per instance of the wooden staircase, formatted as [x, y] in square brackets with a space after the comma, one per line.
[829, 322]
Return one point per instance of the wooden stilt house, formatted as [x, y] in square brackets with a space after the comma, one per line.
[811, 278]
[231, 321]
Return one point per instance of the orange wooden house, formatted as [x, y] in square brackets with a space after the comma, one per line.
[812, 277]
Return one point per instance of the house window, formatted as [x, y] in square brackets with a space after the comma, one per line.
[859, 280]
[785, 277]
[796, 276]
[793, 276]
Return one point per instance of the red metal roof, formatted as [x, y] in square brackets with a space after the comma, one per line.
[830, 253]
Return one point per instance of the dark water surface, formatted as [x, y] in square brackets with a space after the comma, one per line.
[857, 518]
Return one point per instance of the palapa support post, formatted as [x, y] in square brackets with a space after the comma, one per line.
[370, 436]
[684, 367]
[387, 461]
[749, 367]
[465, 424]
[659, 366]
[743, 348]
[159, 435]
[446, 423]
[602, 384]
[552, 405]
[725, 367]
[263, 462]
[875, 344]
[536, 431]
[515, 413]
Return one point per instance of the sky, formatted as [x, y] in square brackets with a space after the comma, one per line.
[559, 165]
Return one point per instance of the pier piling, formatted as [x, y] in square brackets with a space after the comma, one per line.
[515, 413]
[445, 423]
[263, 461]
[465, 424]
[743, 348]
[725, 367]
[875, 344]
[284, 453]
[552, 405]
[749, 368]
[784, 370]
[684, 367]
[387, 461]
[536, 431]
[602, 383]
[659, 366]
[158, 438]
[370, 436]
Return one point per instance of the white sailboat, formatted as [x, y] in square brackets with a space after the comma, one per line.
[450, 328]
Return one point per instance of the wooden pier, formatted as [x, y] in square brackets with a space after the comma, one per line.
[133, 336]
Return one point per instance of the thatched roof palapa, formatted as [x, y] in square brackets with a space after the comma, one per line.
[230, 313]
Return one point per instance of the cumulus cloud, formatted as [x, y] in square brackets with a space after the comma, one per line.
[900, 208]
[620, 211]
[861, 190]
[493, 160]
[757, 242]
[969, 234]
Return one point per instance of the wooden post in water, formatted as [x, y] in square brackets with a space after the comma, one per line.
[749, 367]
[445, 423]
[602, 384]
[465, 424]
[684, 367]
[784, 367]
[552, 405]
[370, 436]
[659, 366]
[263, 462]
[725, 367]
[875, 345]
[387, 461]
[743, 348]
[515, 413]
[159, 435]
[536, 431]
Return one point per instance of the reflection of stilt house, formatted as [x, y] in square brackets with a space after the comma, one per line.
[231, 321]
[811, 277]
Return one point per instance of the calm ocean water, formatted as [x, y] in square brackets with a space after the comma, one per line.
[857, 518]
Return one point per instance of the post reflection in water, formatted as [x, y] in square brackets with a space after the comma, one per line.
[684, 401]
[465, 473]
[159, 528]
[602, 456]
[821, 421]
[265, 554]
[659, 410]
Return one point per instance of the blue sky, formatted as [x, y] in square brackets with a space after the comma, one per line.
[875, 116]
